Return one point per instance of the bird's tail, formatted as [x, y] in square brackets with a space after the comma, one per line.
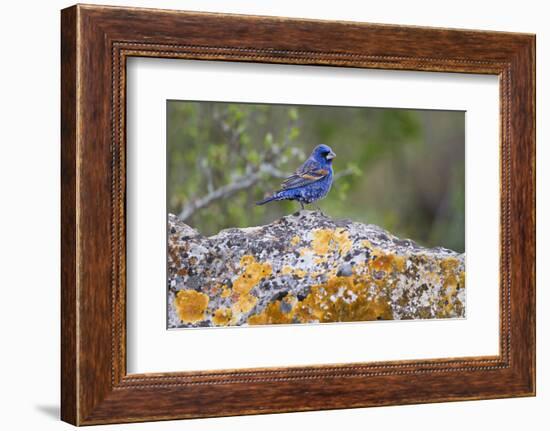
[274, 197]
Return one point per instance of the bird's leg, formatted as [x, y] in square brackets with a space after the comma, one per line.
[302, 205]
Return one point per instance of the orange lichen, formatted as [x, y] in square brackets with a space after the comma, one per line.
[244, 303]
[449, 265]
[191, 305]
[330, 240]
[388, 263]
[287, 270]
[295, 240]
[366, 243]
[320, 260]
[382, 263]
[280, 311]
[399, 263]
[300, 273]
[321, 241]
[222, 316]
[343, 299]
[341, 236]
[452, 280]
[449, 273]
[340, 299]
[253, 272]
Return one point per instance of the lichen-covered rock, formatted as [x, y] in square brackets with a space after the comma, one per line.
[307, 268]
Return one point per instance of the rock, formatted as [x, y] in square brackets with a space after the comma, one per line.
[307, 268]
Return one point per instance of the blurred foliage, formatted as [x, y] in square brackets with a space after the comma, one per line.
[404, 169]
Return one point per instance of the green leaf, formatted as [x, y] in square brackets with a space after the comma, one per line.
[293, 114]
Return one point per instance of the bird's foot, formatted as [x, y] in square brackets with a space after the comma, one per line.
[320, 210]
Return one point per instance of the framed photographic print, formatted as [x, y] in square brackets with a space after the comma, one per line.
[265, 214]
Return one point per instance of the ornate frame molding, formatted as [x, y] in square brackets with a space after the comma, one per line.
[96, 41]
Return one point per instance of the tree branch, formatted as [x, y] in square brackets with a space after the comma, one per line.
[346, 172]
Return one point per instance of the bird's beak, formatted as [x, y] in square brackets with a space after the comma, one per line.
[331, 155]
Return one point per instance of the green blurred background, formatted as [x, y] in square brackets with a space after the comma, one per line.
[397, 168]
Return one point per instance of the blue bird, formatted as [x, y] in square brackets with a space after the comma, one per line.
[310, 182]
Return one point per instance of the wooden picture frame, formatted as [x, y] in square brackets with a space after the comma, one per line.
[96, 41]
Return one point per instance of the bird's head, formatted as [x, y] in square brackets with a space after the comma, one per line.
[323, 154]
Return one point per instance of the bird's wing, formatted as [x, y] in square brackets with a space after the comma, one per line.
[308, 173]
